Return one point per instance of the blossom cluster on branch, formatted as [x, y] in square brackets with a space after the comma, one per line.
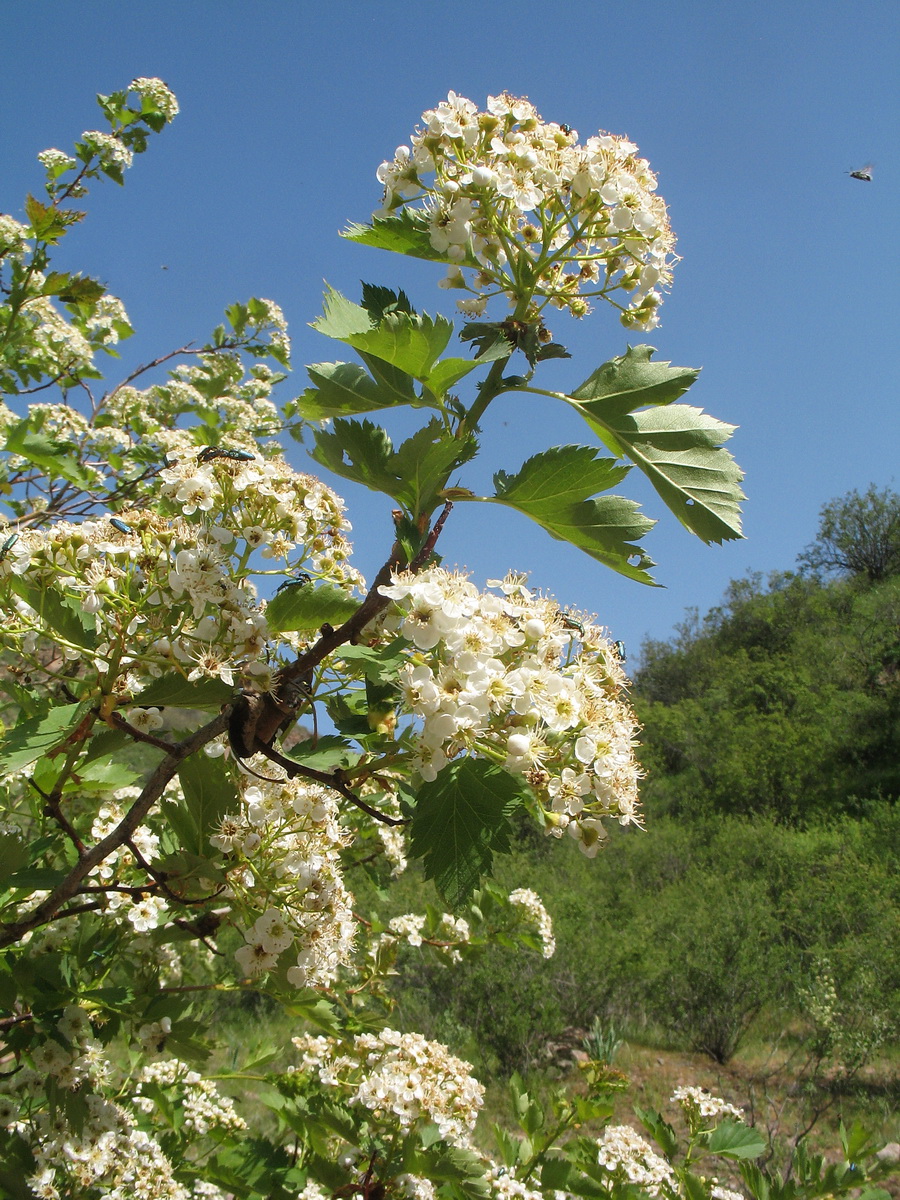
[514, 198]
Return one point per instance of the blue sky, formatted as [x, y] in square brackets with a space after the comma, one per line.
[750, 115]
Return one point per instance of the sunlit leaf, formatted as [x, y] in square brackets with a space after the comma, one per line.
[678, 447]
[557, 488]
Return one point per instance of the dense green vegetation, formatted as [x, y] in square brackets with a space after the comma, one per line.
[762, 904]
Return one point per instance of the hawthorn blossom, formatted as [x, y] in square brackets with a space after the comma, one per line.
[505, 195]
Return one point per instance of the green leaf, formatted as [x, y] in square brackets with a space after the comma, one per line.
[341, 318]
[363, 452]
[32, 878]
[381, 665]
[423, 463]
[679, 448]
[48, 223]
[309, 607]
[102, 775]
[554, 489]
[209, 793]
[410, 343]
[856, 1142]
[55, 457]
[326, 754]
[60, 613]
[659, 1129]
[461, 819]
[633, 381]
[406, 232]
[13, 856]
[733, 1139]
[174, 691]
[343, 389]
[31, 739]
[694, 1187]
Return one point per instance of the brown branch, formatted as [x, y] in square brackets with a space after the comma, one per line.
[258, 717]
[157, 362]
[335, 781]
[10, 1022]
[138, 734]
[53, 808]
[153, 789]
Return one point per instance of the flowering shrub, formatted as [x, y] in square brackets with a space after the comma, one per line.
[177, 596]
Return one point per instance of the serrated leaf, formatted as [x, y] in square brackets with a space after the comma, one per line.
[659, 1129]
[412, 344]
[55, 457]
[309, 607]
[341, 319]
[449, 371]
[678, 447]
[380, 665]
[174, 691]
[342, 390]
[406, 232]
[103, 775]
[378, 301]
[461, 819]
[399, 339]
[733, 1139]
[413, 475]
[556, 489]
[632, 381]
[209, 793]
[423, 463]
[31, 739]
[58, 613]
[326, 754]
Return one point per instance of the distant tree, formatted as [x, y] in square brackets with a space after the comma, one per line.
[859, 534]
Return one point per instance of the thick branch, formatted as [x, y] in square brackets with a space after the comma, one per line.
[256, 719]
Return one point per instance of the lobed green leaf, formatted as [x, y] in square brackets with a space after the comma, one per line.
[460, 820]
[556, 489]
[405, 232]
[53, 456]
[733, 1139]
[679, 448]
[309, 607]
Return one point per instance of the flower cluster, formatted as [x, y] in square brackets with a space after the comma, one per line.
[163, 593]
[262, 503]
[699, 1105]
[533, 908]
[102, 1146]
[631, 1160]
[13, 237]
[399, 1074]
[202, 1106]
[515, 679]
[287, 841]
[157, 96]
[518, 199]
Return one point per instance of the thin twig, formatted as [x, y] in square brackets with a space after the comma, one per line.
[153, 789]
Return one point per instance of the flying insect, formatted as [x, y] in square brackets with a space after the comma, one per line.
[863, 173]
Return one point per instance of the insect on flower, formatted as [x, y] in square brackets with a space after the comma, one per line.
[8, 545]
[120, 525]
[863, 173]
[620, 651]
[209, 453]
